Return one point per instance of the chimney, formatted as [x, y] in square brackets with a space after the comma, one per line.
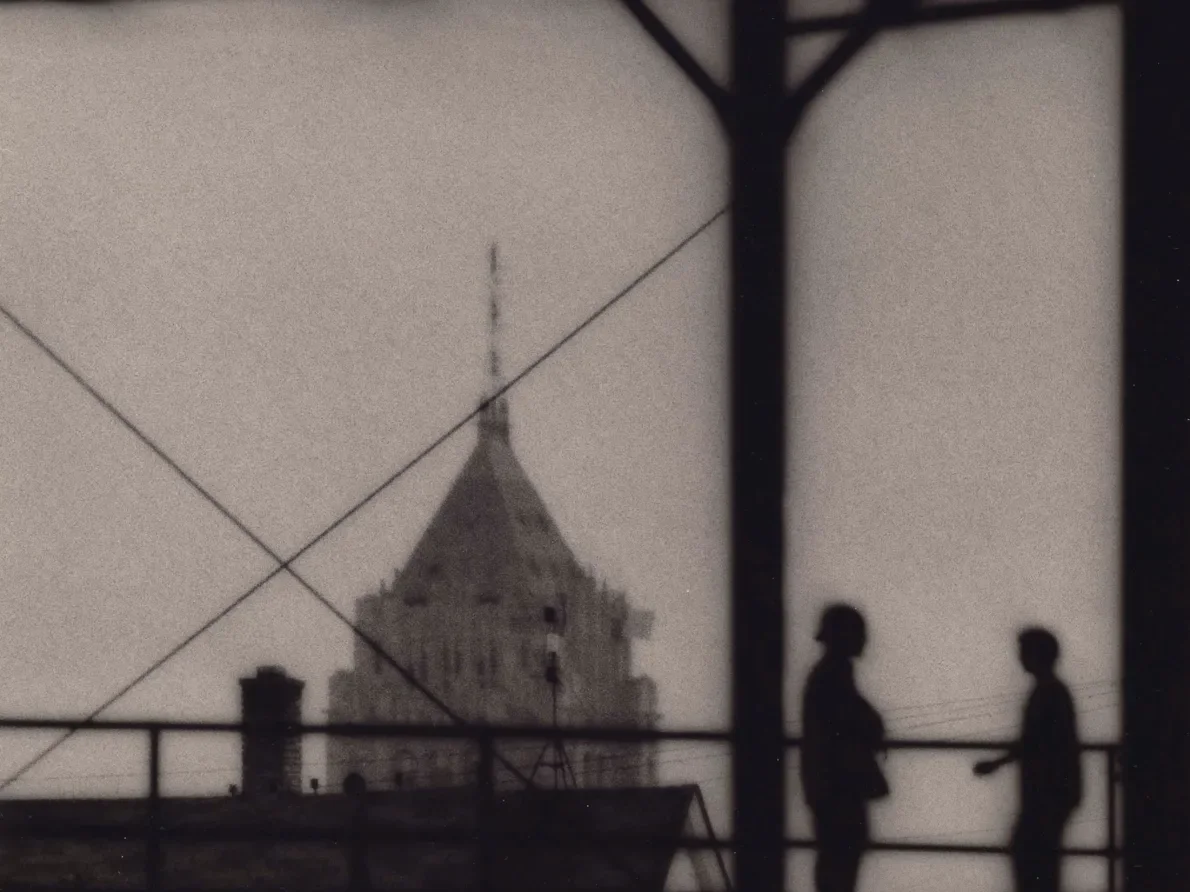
[271, 758]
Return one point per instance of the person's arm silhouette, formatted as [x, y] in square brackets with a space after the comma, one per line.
[990, 766]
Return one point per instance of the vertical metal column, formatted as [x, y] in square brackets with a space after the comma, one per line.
[1156, 398]
[485, 787]
[153, 841]
[758, 435]
[1113, 777]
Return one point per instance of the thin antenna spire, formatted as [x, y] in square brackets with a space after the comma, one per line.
[494, 419]
[494, 323]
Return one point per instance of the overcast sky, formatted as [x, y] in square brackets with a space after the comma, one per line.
[260, 229]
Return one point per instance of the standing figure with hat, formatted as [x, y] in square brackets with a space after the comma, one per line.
[841, 737]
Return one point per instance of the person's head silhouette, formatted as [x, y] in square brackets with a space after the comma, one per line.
[842, 631]
[1039, 651]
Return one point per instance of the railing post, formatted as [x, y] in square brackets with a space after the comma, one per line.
[153, 840]
[1112, 755]
[485, 790]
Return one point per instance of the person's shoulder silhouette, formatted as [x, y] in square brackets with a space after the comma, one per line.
[1051, 769]
[830, 687]
[841, 731]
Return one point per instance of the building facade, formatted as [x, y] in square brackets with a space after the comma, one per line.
[488, 592]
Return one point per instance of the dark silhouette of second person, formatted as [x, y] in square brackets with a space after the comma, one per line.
[1051, 783]
[841, 737]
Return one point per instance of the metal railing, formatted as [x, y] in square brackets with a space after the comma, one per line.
[1111, 853]
[483, 836]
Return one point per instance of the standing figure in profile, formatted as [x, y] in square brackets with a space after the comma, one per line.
[842, 735]
[1051, 783]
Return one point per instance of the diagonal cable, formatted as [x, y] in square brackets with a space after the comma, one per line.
[516, 379]
[157, 664]
[285, 565]
[282, 565]
[138, 433]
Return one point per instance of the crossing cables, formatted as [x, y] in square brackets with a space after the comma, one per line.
[285, 565]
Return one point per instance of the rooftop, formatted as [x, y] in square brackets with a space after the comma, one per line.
[304, 842]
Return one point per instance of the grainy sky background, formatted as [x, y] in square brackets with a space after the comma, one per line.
[260, 229]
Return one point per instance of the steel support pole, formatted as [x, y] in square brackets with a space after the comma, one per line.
[758, 437]
[485, 785]
[153, 842]
[1156, 561]
[1111, 759]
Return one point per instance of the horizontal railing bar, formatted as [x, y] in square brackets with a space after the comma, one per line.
[72, 887]
[476, 732]
[461, 838]
[374, 729]
[961, 849]
[940, 14]
[466, 838]
[375, 887]
[976, 745]
[474, 887]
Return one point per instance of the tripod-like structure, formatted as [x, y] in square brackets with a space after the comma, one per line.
[560, 763]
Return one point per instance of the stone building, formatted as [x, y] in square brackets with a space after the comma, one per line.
[467, 616]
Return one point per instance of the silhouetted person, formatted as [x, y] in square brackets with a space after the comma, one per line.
[842, 735]
[1051, 784]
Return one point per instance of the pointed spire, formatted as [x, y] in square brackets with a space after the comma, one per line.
[494, 378]
[493, 421]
